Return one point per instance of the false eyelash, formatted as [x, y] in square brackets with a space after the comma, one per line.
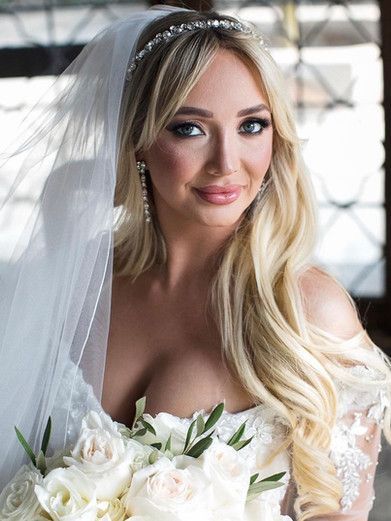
[175, 127]
[264, 122]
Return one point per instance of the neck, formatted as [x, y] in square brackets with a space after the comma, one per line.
[192, 252]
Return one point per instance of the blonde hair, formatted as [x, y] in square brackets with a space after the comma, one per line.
[278, 356]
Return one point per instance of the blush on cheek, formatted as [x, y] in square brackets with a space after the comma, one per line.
[259, 165]
[171, 160]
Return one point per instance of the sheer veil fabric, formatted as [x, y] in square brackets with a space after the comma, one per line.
[56, 288]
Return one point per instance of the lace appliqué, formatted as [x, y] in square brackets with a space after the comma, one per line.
[347, 457]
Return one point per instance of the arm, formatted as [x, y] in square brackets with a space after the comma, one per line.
[356, 438]
[355, 447]
[356, 443]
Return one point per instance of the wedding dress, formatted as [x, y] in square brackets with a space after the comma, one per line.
[356, 438]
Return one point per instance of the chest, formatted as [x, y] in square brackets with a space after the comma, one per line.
[169, 353]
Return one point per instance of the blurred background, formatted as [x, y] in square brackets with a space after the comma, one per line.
[336, 56]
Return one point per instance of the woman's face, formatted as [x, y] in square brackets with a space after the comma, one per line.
[207, 165]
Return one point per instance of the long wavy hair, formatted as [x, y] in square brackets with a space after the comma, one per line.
[280, 358]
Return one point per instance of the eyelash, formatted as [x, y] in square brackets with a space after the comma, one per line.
[265, 123]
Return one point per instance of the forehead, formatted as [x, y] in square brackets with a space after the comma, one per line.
[227, 80]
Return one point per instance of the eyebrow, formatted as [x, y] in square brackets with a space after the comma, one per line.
[195, 111]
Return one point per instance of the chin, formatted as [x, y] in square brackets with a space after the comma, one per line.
[220, 219]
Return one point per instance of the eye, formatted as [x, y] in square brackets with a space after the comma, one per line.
[186, 129]
[255, 126]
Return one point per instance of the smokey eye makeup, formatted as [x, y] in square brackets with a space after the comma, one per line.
[260, 124]
[253, 126]
[185, 129]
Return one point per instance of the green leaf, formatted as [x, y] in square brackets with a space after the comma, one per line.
[157, 445]
[257, 488]
[148, 426]
[274, 477]
[140, 408]
[153, 457]
[26, 446]
[200, 447]
[46, 436]
[188, 435]
[237, 435]
[41, 462]
[253, 478]
[168, 454]
[200, 423]
[240, 444]
[168, 444]
[140, 432]
[214, 416]
[268, 483]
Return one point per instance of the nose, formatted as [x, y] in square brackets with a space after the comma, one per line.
[224, 158]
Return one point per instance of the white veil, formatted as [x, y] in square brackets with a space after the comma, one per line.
[55, 291]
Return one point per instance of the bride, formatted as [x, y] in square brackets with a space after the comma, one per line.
[169, 256]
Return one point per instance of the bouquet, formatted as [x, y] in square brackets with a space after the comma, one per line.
[116, 473]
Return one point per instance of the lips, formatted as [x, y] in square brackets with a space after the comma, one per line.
[216, 189]
[216, 194]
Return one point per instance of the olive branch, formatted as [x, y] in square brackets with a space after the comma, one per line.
[199, 439]
[38, 460]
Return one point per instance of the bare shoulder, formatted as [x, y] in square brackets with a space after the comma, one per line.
[327, 304]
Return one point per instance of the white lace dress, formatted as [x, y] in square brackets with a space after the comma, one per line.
[356, 439]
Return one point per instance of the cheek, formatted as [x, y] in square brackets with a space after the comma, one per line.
[259, 158]
[171, 162]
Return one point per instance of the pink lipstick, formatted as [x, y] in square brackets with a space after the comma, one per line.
[216, 194]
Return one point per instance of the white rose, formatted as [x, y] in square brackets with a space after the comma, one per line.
[68, 495]
[162, 491]
[140, 454]
[263, 509]
[164, 425]
[230, 477]
[105, 456]
[18, 500]
[112, 511]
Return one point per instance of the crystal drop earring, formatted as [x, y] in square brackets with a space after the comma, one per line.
[141, 167]
[255, 206]
[261, 189]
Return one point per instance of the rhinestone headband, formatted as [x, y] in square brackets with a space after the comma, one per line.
[174, 30]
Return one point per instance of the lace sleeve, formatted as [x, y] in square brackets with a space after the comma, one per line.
[356, 443]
